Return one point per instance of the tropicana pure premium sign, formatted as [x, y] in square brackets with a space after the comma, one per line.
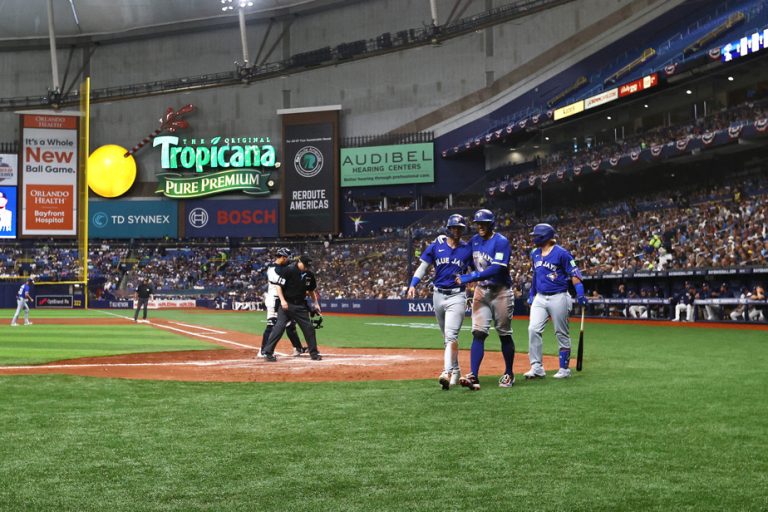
[200, 167]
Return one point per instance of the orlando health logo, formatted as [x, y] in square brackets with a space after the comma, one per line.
[308, 161]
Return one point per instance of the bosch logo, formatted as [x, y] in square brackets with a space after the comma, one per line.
[308, 161]
[100, 219]
[198, 218]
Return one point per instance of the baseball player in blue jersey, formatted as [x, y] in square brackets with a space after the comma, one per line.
[553, 267]
[450, 257]
[492, 300]
[22, 297]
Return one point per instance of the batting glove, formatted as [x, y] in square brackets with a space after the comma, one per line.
[468, 278]
[581, 299]
[530, 299]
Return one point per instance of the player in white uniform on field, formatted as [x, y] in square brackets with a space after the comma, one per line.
[450, 256]
[553, 267]
[271, 303]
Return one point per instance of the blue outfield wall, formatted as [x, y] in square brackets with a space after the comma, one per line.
[44, 295]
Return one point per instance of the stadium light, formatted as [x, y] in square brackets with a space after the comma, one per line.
[242, 4]
[688, 91]
[608, 117]
[730, 79]
[645, 106]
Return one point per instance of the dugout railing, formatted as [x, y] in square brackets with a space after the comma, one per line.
[736, 310]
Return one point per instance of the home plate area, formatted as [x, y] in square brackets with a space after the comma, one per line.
[238, 361]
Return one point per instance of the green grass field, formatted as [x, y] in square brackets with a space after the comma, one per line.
[662, 418]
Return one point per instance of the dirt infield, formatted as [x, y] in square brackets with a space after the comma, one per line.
[240, 363]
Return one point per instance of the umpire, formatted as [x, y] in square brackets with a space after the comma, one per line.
[291, 288]
[143, 293]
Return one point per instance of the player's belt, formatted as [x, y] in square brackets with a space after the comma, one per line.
[552, 293]
[449, 291]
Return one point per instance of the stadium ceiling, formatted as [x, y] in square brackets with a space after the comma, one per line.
[25, 22]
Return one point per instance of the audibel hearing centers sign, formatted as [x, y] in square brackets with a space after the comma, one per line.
[204, 167]
[49, 174]
[255, 218]
[387, 165]
[133, 219]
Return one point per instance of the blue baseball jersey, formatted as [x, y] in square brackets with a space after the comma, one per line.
[494, 251]
[551, 273]
[448, 262]
[23, 291]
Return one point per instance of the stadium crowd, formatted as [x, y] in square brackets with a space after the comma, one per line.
[710, 227]
[585, 155]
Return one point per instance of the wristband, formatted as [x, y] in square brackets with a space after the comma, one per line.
[579, 289]
[414, 281]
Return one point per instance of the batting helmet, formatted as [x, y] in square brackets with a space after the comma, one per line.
[284, 252]
[485, 216]
[542, 233]
[455, 221]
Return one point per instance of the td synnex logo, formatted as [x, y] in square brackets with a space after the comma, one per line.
[198, 218]
[100, 219]
[308, 161]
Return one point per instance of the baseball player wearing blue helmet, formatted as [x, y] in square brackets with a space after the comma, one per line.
[450, 256]
[492, 300]
[553, 267]
[22, 298]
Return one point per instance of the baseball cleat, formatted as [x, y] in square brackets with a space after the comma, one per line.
[470, 381]
[445, 380]
[536, 372]
[455, 377]
[270, 358]
[297, 352]
[27, 323]
[507, 381]
[316, 357]
[14, 324]
[562, 373]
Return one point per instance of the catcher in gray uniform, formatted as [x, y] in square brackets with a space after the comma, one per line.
[450, 257]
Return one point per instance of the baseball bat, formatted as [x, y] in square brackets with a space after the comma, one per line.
[580, 350]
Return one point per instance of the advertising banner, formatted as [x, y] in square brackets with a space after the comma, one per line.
[602, 98]
[133, 219]
[8, 211]
[54, 301]
[569, 110]
[9, 169]
[387, 165]
[309, 177]
[49, 174]
[239, 218]
[638, 85]
[199, 167]
[171, 303]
